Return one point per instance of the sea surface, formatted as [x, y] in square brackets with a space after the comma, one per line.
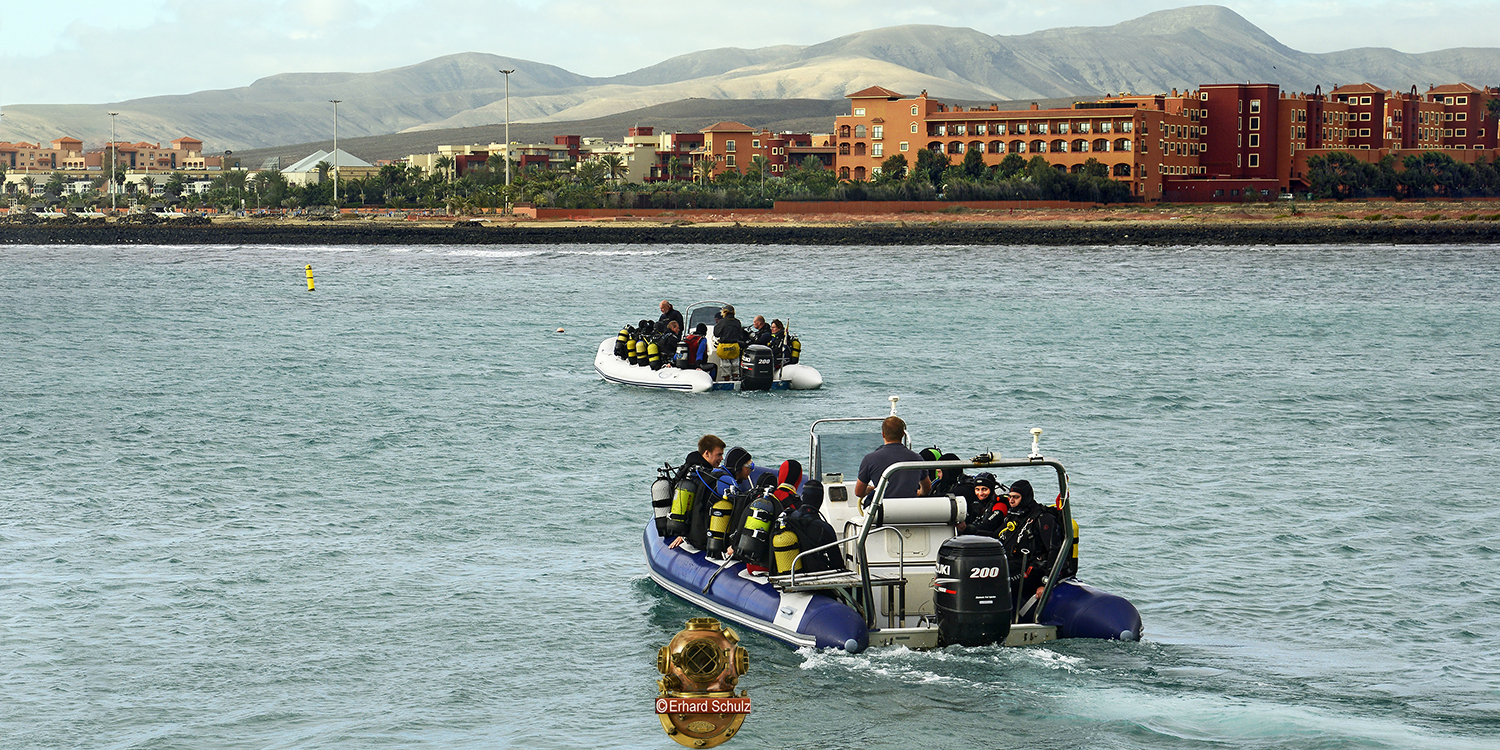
[403, 511]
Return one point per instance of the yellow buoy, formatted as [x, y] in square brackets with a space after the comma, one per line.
[309, 278]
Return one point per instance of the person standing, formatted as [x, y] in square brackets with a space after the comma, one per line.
[669, 313]
[903, 484]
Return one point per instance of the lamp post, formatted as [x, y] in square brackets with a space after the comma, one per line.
[507, 134]
[335, 150]
[114, 153]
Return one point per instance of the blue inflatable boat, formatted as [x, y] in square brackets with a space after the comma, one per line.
[910, 577]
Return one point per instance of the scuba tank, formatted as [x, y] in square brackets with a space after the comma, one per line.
[784, 550]
[755, 534]
[622, 341]
[640, 352]
[653, 356]
[718, 526]
[683, 497]
[661, 499]
[794, 351]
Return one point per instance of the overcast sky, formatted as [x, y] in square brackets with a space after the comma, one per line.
[96, 51]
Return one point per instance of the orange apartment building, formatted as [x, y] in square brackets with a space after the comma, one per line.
[734, 146]
[67, 155]
[1215, 143]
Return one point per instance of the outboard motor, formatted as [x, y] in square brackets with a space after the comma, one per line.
[971, 591]
[756, 368]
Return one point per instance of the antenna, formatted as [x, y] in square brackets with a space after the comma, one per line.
[1036, 437]
[894, 399]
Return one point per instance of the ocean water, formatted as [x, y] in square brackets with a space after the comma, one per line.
[403, 512]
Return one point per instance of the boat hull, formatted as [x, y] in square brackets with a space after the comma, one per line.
[798, 377]
[736, 595]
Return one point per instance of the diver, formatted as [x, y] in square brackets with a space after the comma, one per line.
[666, 343]
[693, 489]
[1032, 535]
[668, 313]
[759, 332]
[987, 510]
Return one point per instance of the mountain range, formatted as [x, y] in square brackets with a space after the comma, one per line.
[1157, 52]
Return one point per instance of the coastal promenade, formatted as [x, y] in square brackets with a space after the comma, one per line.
[1374, 222]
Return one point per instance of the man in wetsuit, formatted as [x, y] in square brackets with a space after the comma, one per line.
[702, 462]
[760, 333]
[903, 484]
[1032, 535]
[669, 313]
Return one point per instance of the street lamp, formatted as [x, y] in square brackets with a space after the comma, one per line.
[335, 151]
[507, 133]
[114, 153]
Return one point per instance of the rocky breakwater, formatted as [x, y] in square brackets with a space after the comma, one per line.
[199, 231]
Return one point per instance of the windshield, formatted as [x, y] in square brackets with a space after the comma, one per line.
[842, 453]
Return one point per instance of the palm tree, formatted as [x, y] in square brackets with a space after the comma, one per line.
[323, 167]
[703, 169]
[149, 183]
[30, 183]
[614, 166]
[444, 165]
[674, 168]
[760, 163]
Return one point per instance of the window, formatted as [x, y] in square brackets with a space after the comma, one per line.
[1203, 95]
[1254, 105]
[1062, 128]
[730, 161]
[1364, 132]
[1447, 100]
[979, 130]
[1364, 116]
[1255, 123]
[1364, 100]
[1463, 100]
[1463, 116]
[859, 111]
[1000, 129]
[859, 131]
[877, 149]
[876, 131]
[1460, 132]
[913, 127]
[729, 146]
[1041, 128]
[1021, 129]
[1254, 140]
[905, 145]
[913, 110]
[755, 143]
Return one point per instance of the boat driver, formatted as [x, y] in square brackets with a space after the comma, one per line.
[903, 484]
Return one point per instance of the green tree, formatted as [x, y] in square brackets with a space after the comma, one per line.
[614, 166]
[30, 183]
[444, 166]
[1012, 166]
[973, 163]
[703, 169]
[894, 167]
[759, 163]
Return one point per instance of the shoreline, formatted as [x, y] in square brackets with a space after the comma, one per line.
[1373, 222]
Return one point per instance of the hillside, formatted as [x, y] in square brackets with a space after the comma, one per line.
[1178, 48]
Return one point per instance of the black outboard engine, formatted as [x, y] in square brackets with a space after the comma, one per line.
[756, 368]
[971, 591]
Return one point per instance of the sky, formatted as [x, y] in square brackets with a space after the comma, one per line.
[100, 51]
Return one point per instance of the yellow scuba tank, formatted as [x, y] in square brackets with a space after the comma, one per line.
[640, 351]
[718, 526]
[682, 506]
[621, 342]
[785, 550]
[795, 351]
[653, 356]
[755, 534]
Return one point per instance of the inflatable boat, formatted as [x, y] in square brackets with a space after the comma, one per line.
[632, 358]
[909, 579]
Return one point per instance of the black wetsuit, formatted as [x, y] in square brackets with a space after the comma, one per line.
[1032, 534]
[729, 331]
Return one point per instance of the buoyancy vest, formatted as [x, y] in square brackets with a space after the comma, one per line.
[1031, 536]
[694, 354]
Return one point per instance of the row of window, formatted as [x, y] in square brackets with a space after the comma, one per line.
[1060, 146]
[1022, 128]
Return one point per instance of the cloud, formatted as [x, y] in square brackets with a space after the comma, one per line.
[102, 51]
